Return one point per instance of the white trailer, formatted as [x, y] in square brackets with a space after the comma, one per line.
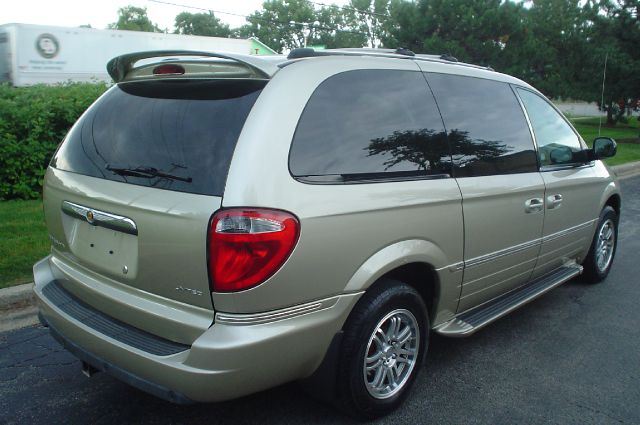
[42, 54]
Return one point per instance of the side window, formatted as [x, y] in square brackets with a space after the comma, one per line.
[487, 129]
[370, 124]
[557, 143]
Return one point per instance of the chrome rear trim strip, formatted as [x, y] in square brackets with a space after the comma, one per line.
[100, 218]
[272, 316]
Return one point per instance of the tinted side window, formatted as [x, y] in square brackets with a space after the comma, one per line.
[557, 143]
[364, 123]
[487, 129]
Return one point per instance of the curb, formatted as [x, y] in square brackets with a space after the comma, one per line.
[17, 319]
[18, 303]
[16, 297]
[18, 307]
[630, 169]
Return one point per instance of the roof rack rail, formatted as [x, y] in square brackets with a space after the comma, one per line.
[403, 51]
[448, 57]
[399, 53]
[303, 52]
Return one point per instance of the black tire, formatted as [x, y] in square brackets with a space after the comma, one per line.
[594, 272]
[390, 300]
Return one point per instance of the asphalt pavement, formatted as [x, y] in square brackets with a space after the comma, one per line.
[570, 357]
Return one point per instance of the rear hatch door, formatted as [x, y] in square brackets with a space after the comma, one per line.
[130, 193]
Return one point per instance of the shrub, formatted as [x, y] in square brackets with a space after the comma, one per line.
[33, 121]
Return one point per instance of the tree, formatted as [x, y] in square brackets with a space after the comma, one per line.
[427, 149]
[549, 48]
[476, 31]
[201, 24]
[337, 27]
[285, 24]
[615, 34]
[280, 23]
[371, 15]
[134, 19]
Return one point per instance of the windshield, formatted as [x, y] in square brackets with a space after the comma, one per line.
[174, 135]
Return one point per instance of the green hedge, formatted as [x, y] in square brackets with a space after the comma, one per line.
[33, 121]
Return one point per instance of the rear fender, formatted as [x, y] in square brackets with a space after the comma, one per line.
[449, 273]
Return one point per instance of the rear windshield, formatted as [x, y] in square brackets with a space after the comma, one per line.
[176, 135]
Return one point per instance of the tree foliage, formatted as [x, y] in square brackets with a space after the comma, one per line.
[33, 121]
[134, 18]
[615, 35]
[558, 46]
[469, 30]
[279, 23]
[201, 24]
[371, 16]
[337, 28]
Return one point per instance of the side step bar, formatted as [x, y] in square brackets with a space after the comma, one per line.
[470, 321]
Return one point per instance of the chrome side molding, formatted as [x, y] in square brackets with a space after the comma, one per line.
[100, 218]
[503, 252]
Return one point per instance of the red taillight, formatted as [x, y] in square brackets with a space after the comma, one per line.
[248, 245]
[169, 68]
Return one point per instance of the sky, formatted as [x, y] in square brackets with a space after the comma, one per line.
[73, 13]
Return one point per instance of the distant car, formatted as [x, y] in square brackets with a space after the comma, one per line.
[222, 224]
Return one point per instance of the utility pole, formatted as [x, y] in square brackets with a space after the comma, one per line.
[306, 29]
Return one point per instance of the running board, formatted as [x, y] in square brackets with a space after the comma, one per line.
[470, 321]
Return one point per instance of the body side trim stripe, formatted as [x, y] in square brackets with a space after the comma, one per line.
[503, 252]
[521, 247]
[568, 231]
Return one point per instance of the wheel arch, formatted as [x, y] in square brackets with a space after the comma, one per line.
[614, 201]
[420, 276]
[421, 265]
[611, 197]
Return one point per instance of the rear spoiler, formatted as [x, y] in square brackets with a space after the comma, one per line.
[120, 66]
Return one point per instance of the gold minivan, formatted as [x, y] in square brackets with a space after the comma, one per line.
[221, 224]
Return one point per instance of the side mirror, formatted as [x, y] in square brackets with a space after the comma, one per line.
[560, 154]
[604, 147]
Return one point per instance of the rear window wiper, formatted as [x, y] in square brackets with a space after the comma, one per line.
[142, 171]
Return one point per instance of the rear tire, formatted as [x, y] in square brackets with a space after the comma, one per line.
[598, 262]
[385, 339]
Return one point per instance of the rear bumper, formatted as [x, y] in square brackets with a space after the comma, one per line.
[229, 360]
[115, 371]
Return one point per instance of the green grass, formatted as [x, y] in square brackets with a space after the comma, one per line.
[23, 240]
[627, 152]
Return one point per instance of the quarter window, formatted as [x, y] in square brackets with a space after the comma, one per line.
[557, 142]
[487, 129]
[370, 124]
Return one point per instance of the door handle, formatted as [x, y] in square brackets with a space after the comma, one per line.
[533, 205]
[554, 201]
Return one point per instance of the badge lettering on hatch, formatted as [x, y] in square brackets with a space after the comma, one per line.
[188, 290]
[56, 242]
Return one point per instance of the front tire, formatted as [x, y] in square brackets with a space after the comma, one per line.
[385, 339]
[598, 262]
